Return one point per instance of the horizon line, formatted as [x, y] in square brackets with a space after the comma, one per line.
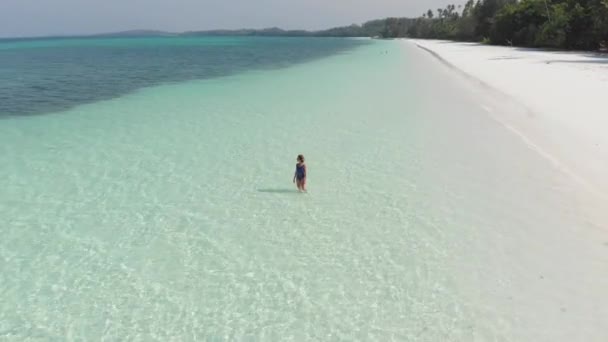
[162, 32]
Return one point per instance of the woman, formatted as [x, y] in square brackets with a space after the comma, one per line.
[300, 175]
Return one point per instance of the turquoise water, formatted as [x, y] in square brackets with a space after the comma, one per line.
[42, 76]
[168, 213]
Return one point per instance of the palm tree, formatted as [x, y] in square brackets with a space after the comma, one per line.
[547, 8]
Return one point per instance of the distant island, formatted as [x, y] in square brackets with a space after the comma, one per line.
[136, 33]
[372, 28]
[559, 24]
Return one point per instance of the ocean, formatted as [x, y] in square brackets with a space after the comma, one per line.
[147, 195]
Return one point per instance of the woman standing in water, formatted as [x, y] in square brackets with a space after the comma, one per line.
[300, 175]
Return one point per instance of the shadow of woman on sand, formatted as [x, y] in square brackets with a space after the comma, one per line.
[279, 191]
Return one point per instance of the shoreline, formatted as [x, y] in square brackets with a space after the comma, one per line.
[542, 273]
[555, 104]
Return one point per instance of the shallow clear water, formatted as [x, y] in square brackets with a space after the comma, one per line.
[169, 214]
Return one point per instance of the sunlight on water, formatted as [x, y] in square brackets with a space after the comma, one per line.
[169, 214]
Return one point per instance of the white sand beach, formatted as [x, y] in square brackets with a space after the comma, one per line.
[557, 103]
[554, 103]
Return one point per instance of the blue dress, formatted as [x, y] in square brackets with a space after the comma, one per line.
[300, 171]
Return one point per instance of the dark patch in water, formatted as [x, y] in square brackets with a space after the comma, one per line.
[49, 76]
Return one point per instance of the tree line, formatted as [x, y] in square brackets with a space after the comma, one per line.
[564, 24]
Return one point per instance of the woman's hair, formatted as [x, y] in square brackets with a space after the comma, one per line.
[300, 157]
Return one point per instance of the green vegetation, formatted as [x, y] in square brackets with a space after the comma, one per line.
[564, 24]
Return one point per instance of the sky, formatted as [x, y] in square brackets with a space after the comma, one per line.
[26, 18]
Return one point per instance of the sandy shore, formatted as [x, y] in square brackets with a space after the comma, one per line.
[555, 104]
[562, 113]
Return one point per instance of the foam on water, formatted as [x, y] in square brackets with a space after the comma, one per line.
[170, 214]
